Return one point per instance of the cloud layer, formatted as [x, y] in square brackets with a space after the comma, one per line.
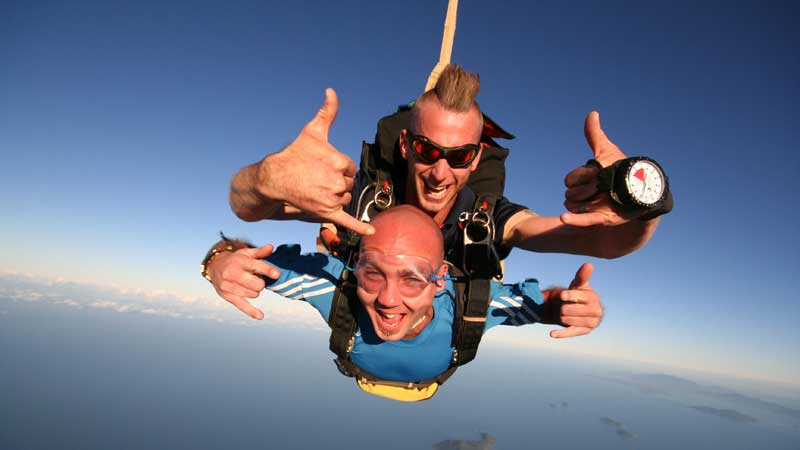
[28, 288]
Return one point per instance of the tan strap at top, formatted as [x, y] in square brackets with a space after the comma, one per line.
[447, 44]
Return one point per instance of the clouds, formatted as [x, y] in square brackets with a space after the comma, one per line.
[18, 287]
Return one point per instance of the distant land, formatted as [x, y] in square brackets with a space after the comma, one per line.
[666, 384]
[485, 443]
[619, 427]
[729, 414]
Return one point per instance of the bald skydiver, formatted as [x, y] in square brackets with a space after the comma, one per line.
[403, 344]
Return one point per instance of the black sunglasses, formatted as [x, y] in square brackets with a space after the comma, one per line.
[429, 152]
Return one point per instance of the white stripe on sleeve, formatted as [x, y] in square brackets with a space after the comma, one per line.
[307, 295]
[519, 303]
[290, 282]
[316, 282]
[510, 312]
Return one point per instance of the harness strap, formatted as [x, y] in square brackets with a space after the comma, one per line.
[473, 321]
[342, 318]
[480, 258]
[376, 196]
[348, 368]
[481, 264]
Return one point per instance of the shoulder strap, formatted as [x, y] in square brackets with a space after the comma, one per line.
[473, 296]
[376, 195]
[342, 318]
[473, 291]
[480, 258]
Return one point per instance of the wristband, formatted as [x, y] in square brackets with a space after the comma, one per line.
[225, 245]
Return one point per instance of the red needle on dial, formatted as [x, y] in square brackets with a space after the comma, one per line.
[640, 175]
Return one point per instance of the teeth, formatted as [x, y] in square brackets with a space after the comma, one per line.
[436, 192]
[388, 315]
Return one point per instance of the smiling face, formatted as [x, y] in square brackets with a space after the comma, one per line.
[394, 272]
[433, 187]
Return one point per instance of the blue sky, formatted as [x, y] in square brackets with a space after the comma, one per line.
[121, 124]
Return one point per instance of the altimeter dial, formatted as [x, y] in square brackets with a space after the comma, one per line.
[645, 182]
[637, 182]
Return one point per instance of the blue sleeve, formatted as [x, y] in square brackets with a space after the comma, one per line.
[310, 277]
[515, 304]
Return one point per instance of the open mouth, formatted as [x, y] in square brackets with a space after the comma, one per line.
[436, 192]
[389, 323]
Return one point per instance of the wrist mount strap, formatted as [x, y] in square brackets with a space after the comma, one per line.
[605, 176]
[666, 206]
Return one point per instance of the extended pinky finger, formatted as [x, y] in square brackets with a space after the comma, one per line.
[570, 332]
[244, 306]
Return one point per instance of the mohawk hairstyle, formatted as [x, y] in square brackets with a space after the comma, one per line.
[455, 89]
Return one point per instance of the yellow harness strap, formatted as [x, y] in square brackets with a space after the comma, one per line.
[400, 393]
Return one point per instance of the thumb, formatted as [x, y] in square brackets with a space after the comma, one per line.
[258, 253]
[322, 122]
[595, 135]
[262, 252]
[582, 276]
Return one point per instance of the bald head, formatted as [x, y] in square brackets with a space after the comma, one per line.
[405, 230]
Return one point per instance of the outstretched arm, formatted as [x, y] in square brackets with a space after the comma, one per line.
[542, 234]
[577, 308]
[309, 179]
[241, 275]
[596, 225]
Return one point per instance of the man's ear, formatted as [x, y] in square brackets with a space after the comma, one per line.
[441, 283]
[404, 143]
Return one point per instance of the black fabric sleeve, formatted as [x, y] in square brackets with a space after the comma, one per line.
[503, 211]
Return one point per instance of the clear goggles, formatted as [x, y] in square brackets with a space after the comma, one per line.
[410, 274]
